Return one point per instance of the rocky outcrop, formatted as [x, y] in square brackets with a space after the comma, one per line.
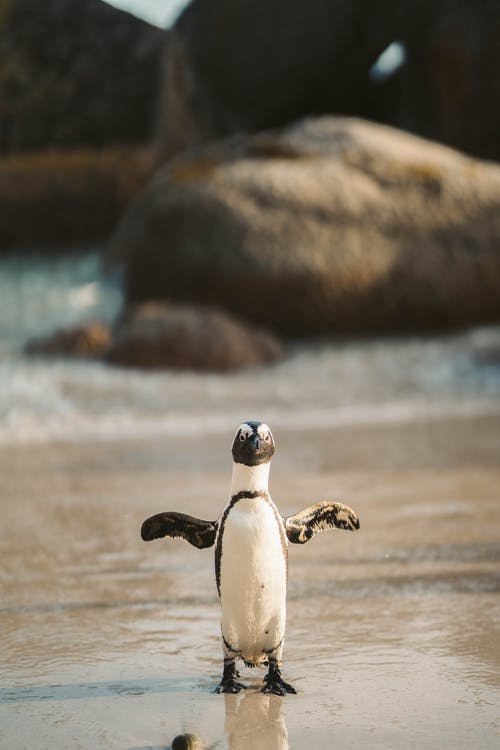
[62, 198]
[332, 225]
[159, 336]
[236, 66]
[188, 338]
[78, 92]
[75, 73]
[449, 87]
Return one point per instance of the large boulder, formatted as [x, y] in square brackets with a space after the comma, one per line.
[449, 87]
[156, 336]
[75, 73]
[235, 65]
[331, 225]
[180, 337]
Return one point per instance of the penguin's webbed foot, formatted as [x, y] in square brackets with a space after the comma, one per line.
[274, 682]
[229, 686]
[278, 687]
[229, 683]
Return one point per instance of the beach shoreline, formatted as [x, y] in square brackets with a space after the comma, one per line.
[391, 637]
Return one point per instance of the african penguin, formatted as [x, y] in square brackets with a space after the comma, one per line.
[251, 557]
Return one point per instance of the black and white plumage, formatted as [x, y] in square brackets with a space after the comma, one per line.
[251, 557]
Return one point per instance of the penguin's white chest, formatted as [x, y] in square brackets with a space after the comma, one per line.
[253, 578]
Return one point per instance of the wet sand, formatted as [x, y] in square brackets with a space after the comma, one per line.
[393, 632]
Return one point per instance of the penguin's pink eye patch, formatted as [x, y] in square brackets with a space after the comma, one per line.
[265, 433]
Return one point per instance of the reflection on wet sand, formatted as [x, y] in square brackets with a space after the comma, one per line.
[255, 720]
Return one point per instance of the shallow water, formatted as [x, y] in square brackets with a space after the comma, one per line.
[320, 385]
[392, 635]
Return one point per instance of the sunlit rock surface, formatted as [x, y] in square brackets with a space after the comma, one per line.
[330, 225]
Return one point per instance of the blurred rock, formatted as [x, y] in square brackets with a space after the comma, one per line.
[331, 225]
[61, 198]
[449, 88]
[235, 65]
[160, 336]
[188, 338]
[75, 73]
[86, 341]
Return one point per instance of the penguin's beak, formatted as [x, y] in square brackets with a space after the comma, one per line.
[254, 442]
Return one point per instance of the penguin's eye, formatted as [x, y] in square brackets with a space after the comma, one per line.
[267, 438]
[242, 437]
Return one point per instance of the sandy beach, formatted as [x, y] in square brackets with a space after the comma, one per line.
[215, 213]
[392, 633]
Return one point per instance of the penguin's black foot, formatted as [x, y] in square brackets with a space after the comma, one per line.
[229, 682]
[278, 686]
[229, 686]
[274, 682]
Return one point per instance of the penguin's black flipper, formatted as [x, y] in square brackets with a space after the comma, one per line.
[199, 533]
[320, 517]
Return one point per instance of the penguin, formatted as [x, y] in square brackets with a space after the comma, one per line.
[251, 557]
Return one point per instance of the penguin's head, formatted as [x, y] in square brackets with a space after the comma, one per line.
[253, 444]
